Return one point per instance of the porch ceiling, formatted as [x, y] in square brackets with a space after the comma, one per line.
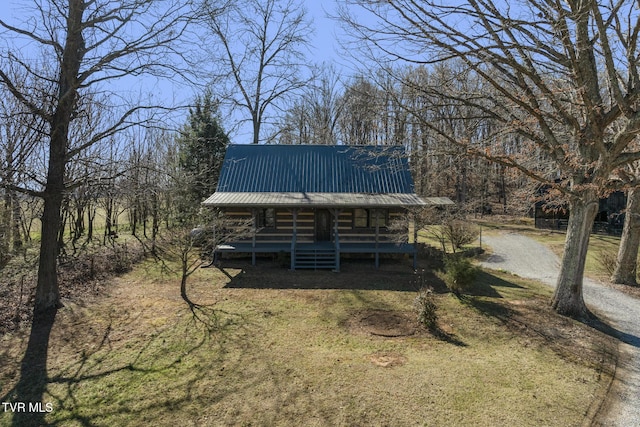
[224, 199]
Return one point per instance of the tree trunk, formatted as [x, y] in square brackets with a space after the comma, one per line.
[567, 299]
[256, 129]
[78, 224]
[64, 215]
[17, 220]
[134, 220]
[91, 215]
[625, 272]
[503, 189]
[47, 292]
[184, 277]
[5, 231]
[108, 215]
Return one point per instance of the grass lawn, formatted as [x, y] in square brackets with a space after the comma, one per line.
[267, 347]
[602, 247]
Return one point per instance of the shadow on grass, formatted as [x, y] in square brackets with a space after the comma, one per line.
[206, 315]
[488, 308]
[102, 377]
[354, 275]
[30, 389]
[486, 300]
[447, 337]
[485, 286]
[167, 364]
[600, 325]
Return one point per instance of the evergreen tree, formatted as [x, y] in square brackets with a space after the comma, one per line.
[203, 143]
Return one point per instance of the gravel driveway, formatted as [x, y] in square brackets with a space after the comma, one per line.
[527, 258]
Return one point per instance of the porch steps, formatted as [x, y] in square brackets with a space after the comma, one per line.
[315, 259]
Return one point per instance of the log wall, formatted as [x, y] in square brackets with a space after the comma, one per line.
[306, 226]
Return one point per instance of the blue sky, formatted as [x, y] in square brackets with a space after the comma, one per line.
[325, 42]
[325, 47]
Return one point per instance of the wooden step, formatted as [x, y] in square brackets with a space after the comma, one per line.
[315, 259]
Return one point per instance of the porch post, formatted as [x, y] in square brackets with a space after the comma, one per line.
[411, 220]
[253, 238]
[377, 239]
[294, 239]
[415, 237]
[336, 237]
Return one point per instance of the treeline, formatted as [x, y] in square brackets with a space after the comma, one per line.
[437, 134]
[135, 184]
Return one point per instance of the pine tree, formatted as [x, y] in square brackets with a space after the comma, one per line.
[203, 143]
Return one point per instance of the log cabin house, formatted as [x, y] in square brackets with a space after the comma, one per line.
[317, 202]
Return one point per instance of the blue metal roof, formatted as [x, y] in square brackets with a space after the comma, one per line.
[315, 169]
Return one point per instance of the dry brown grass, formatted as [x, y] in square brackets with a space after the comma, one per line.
[268, 346]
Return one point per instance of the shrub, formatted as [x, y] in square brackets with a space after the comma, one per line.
[459, 274]
[608, 261]
[121, 259]
[426, 308]
[460, 233]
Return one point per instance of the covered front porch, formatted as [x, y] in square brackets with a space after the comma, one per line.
[316, 229]
[319, 255]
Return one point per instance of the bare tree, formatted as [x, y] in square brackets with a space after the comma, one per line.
[261, 57]
[83, 46]
[627, 260]
[383, 109]
[19, 138]
[362, 110]
[562, 73]
[625, 271]
[314, 116]
[193, 248]
[326, 106]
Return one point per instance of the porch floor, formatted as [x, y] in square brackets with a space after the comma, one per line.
[345, 248]
[355, 248]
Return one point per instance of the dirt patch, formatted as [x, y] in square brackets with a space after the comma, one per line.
[387, 359]
[383, 323]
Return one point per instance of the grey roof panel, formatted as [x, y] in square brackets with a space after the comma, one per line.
[438, 201]
[297, 199]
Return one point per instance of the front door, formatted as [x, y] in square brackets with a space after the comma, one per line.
[323, 225]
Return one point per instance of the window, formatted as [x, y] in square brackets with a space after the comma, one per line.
[266, 218]
[360, 218]
[366, 218]
[381, 216]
